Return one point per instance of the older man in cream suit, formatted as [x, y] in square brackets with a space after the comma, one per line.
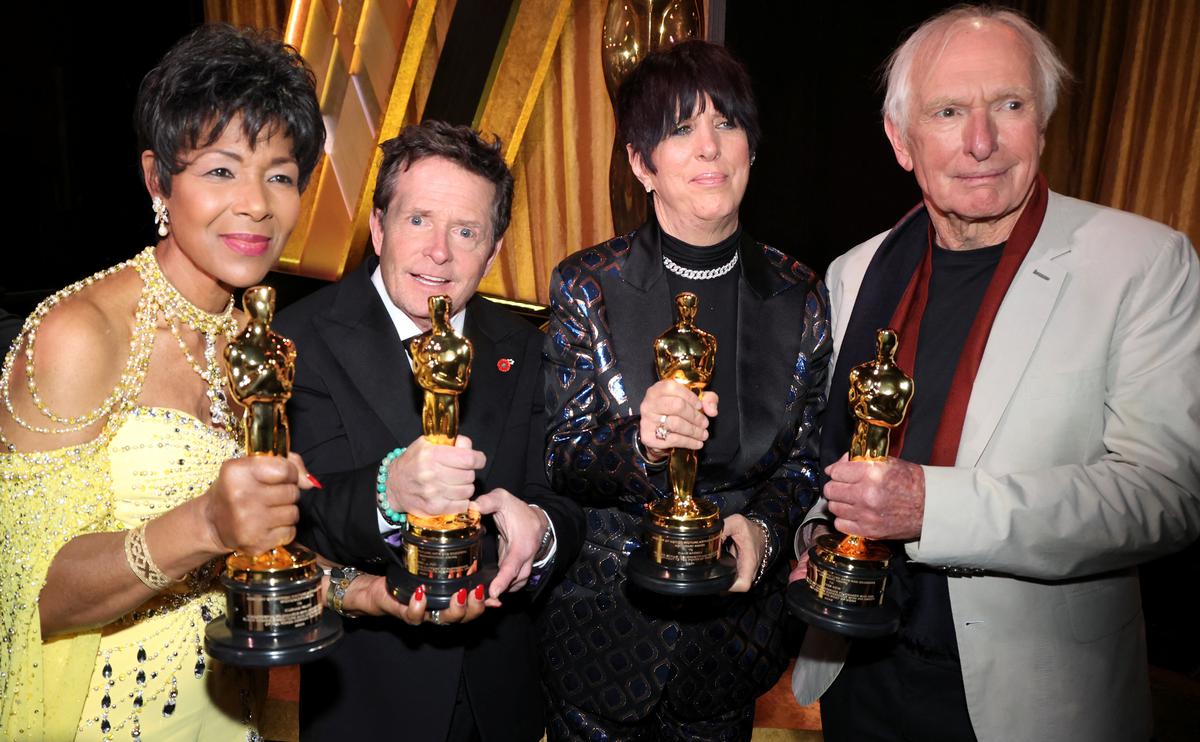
[1052, 442]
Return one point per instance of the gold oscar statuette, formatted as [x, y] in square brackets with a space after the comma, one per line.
[273, 615]
[681, 552]
[844, 590]
[439, 552]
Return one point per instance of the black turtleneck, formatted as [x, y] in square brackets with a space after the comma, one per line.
[701, 258]
[718, 316]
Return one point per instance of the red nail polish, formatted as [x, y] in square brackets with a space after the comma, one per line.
[479, 592]
[419, 593]
[460, 597]
[315, 482]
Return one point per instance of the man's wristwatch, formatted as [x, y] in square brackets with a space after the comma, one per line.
[339, 581]
[543, 549]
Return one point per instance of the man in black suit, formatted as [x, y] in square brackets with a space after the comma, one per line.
[441, 206]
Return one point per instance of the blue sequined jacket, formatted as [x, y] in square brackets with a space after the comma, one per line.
[608, 304]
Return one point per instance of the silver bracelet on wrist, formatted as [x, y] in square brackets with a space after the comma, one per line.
[768, 548]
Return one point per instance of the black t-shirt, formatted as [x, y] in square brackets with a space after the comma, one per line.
[957, 283]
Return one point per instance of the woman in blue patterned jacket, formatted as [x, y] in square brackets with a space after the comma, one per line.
[624, 663]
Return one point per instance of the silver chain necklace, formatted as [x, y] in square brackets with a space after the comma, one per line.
[697, 275]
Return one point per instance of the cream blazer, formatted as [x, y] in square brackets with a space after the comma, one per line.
[1078, 461]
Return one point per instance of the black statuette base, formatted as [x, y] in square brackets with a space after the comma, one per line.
[438, 592]
[844, 590]
[681, 552]
[272, 617]
[709, 578]
[259, 649]
[859, 622]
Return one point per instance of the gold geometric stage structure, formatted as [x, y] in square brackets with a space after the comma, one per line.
[374, 62]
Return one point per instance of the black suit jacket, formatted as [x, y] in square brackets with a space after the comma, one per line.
[355, 400]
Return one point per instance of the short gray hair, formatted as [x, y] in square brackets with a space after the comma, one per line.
[1049, 70]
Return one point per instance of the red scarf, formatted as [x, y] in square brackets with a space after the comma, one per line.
[909, 312]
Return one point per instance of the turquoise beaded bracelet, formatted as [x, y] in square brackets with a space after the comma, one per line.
[393, 517]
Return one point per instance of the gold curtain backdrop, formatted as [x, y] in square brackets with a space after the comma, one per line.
[256, 13]
[1127, 134]
[560, 203]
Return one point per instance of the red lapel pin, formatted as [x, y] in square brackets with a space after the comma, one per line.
[504, 364]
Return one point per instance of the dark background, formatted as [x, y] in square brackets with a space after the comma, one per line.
[77, 204]
[825, 177]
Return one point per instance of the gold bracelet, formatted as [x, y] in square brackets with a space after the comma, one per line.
[137, 556]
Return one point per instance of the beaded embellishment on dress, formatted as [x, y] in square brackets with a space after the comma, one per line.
[150, 668]
[152, 660]
[158, 297]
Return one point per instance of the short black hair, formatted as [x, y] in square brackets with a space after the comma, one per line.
[459, 144]
[219, 72]
[669, 85]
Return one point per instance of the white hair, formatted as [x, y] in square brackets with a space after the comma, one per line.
[1049, 70]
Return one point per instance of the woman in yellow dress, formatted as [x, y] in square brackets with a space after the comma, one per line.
[119, 490]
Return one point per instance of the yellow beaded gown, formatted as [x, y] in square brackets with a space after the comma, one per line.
[144, 676]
